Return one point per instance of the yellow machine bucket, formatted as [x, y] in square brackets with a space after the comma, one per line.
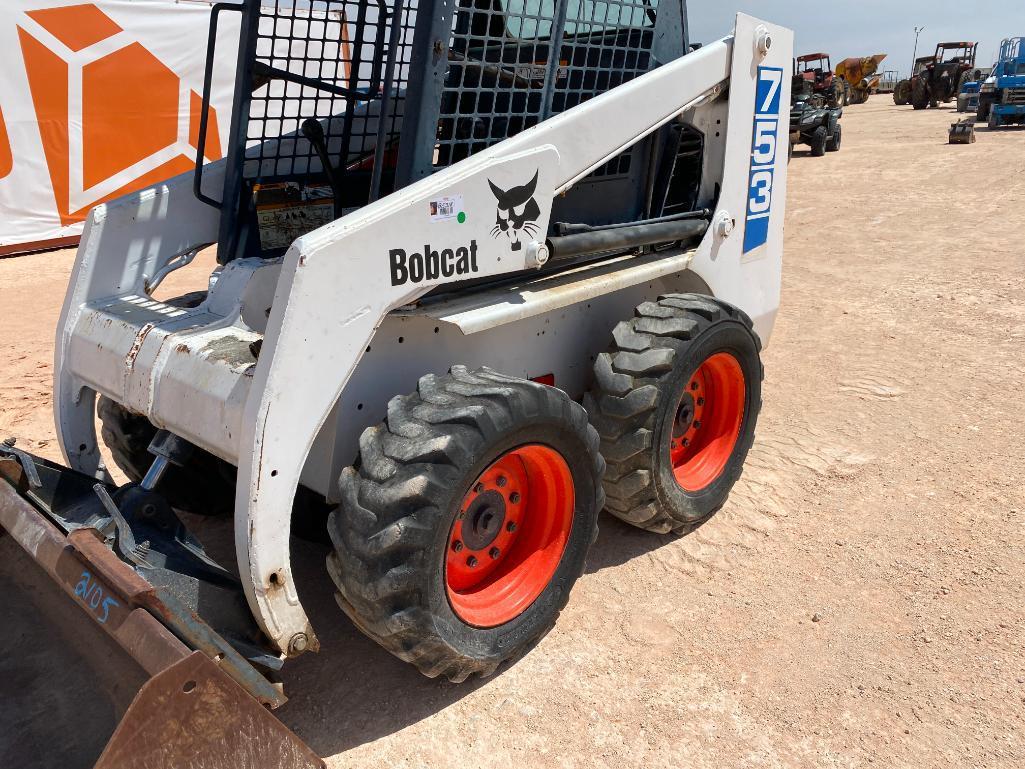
[861, 75]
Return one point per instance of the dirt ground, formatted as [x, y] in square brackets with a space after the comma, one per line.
[858, 601]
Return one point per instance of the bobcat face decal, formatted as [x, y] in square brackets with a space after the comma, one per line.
[518, 212]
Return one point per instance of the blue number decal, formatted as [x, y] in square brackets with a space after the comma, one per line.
[92, 595]
[764, 149]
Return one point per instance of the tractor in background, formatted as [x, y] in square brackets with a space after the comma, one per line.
[902, 91]
[1002, 94]
[817, 69]
[860, 77]
[941, 80]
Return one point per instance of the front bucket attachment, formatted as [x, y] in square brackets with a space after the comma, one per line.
[199, 701]
[963, 132]
[192, 715]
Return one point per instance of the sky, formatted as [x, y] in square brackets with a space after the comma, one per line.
[867, 27]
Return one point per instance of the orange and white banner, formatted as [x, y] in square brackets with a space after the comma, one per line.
[99, 99]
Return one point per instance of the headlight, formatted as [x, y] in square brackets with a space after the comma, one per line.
[808, 120]
[989, 86]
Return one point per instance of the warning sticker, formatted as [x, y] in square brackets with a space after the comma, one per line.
[444, 209]
[288, 211]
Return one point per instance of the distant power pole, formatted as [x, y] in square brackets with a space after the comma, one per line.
[914, 56]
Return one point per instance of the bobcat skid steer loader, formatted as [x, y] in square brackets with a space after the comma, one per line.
[484, 270]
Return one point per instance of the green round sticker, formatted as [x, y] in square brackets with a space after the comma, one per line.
[461, 217]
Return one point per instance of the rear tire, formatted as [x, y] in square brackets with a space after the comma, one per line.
[919, 93]
[654, 479]
[447, 457]
[902, 93]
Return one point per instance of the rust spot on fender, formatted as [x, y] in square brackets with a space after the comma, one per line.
[182, 348]
[140, 338]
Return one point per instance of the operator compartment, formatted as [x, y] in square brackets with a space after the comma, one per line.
[341, 103]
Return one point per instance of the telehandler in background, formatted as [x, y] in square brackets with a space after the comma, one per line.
[483, 271]
[1002, 93]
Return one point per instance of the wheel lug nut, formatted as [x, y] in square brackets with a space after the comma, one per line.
[471, 561]
[502, 480]
[479, 488]
[494, 552]
[514, 497]
[457, 546]
[511, 526]
[701, 401]
[697, 425]
[694, 385]
[686, 442]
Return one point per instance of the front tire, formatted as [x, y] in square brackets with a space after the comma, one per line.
[467, 521]
[818, 141]
[833, 145]
[676, 402]
[985, 108]
[204, 485]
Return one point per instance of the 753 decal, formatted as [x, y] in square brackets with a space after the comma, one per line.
[764, 147]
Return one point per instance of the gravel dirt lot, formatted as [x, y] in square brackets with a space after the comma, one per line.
[858, 601]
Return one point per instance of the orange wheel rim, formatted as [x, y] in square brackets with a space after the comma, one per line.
[706, 424]
[509, 535]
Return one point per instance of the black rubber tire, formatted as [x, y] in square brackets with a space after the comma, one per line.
[205, 485]
[902, 93]
[837, 94]
[985, 108]
[638, 385]
[818, 140]
[920, 97]
[391, 532]
[834, 142]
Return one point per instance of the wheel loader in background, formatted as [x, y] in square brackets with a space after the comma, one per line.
[482, 273]
[859, 75]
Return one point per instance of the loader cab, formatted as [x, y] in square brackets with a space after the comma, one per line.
[339, 103]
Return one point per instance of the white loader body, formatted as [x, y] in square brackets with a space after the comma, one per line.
[342, 328]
